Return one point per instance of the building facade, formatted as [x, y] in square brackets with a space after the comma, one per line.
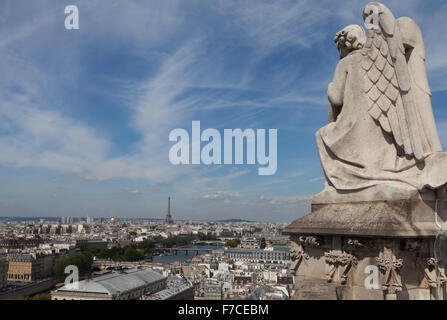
[30, 266]
[250, 243]
[273, 258]
[3, 273]
[23, 267]
[212, 290]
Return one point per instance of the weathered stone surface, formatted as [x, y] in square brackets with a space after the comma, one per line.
[381, 128]
[358, 293]
[314, 290]
[404, 268]
[382, 192]
[415, 294]
[372, 231]
[398, 218]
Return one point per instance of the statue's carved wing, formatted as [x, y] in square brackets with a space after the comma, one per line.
[383, 90]
[397, 87]
[415, 56]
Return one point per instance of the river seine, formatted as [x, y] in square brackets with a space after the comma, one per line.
[182, 256]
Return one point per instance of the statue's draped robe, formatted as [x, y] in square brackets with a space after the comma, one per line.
[354, 150]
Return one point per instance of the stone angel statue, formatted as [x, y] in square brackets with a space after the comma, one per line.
[381, 139]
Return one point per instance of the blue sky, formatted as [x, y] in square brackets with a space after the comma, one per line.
[86, 114]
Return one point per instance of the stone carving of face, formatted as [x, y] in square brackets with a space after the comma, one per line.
[349, 39]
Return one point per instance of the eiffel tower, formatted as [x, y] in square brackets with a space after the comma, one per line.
[168, 219]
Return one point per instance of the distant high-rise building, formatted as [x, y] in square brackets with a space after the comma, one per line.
[168, 219]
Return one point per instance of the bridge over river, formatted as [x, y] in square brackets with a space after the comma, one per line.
[185, 250]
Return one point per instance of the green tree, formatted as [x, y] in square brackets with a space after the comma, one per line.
[146, 245]
[233, 243]
[83, 261]
[132, 254]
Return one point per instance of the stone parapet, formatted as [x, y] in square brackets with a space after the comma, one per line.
[344, 244]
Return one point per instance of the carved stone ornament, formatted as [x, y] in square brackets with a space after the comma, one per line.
[297, 255]
[430, 272]
[336, 260]
[311, 241]
[359, 243]
[433, 275]
[390, 267]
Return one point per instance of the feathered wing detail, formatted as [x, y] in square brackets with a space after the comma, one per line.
[396, 85]
[406, 93]
[382, 89]
[415, 56]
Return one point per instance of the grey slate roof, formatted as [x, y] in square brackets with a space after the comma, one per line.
[114, 283]
[176, 286]
[168, 293]
[21, 257]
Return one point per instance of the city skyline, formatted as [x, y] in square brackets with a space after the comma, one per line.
[88, 112]
[35, 255]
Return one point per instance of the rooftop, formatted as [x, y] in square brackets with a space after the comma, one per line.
[175, 287]
[21, 257]
[117, 282]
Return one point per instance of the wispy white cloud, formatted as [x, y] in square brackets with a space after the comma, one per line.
[271, 24]
[188, 71]
[221, 195]
[46, 138]
[133, 191]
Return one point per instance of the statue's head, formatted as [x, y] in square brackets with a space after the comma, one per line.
[349, 39]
